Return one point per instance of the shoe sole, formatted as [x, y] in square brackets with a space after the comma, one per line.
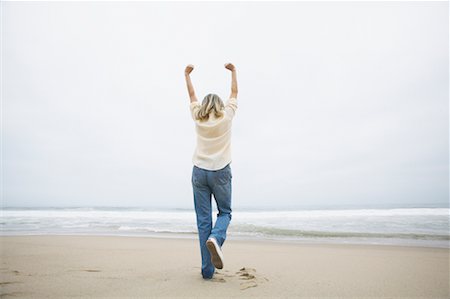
[215, 258]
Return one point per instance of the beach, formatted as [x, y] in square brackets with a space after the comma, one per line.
[62, 266]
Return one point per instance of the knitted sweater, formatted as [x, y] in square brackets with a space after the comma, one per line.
[213, 150]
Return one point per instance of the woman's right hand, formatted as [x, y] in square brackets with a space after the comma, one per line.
[230, 66]
[188, 69]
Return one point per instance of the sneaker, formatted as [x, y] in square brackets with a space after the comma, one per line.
[216, 252]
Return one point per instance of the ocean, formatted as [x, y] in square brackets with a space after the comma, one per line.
[418, 226]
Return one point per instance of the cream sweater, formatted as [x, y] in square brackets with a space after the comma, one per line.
[213, 150]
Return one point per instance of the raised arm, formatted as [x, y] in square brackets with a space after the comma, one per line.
[234, 88]
[190, 88]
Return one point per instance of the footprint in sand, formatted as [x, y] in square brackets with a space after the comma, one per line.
[218, 279]
[12, 271]
[250, 278]
[92, 270]
[219, 276]
[8, 282]
[84, 270]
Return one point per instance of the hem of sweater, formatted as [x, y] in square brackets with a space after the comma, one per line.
[212, 168]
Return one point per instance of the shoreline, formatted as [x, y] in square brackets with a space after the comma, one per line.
[61, 266]
[324, 241]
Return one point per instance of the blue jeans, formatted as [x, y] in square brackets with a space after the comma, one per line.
[206, 183]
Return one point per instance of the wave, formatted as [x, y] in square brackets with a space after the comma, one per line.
[153, 230]
[272, 231]
[428, 225]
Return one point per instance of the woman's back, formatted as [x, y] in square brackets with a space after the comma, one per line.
[213, 150]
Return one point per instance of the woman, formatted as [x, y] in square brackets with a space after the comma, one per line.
[211, 174]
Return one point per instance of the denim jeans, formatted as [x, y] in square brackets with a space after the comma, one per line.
[206, 183]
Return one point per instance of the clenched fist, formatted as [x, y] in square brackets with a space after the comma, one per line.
[188, 69]
[230, 66]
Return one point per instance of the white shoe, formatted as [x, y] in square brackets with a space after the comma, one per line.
[216, 252]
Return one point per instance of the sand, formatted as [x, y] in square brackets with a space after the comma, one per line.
[133, 267]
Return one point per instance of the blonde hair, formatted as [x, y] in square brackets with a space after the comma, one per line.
[211, 103]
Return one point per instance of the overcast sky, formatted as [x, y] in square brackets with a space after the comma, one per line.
[339, 103]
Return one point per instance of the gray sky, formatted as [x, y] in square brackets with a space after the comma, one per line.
[339, 103]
